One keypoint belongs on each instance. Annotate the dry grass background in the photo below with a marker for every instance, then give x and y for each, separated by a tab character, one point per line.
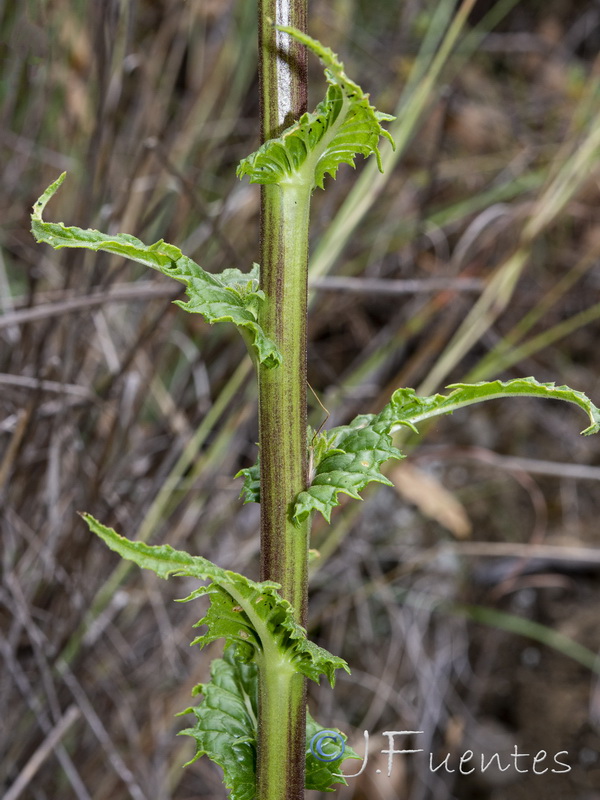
476	255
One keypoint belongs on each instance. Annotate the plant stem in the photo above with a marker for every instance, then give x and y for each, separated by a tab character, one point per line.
282	393
282	726
282	401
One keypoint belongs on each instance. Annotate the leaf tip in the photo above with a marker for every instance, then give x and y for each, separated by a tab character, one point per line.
41	203
593	428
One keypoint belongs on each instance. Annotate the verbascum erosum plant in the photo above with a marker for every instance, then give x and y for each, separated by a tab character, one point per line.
251	717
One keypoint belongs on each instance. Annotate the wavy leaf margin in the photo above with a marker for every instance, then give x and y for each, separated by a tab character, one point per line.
231	296
246	613
343	125
226	730
354	453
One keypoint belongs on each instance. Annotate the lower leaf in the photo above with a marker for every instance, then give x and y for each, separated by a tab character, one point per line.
247	613
226	730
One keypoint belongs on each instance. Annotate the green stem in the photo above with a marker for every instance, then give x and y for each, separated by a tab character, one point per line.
282	726
282	403
282	392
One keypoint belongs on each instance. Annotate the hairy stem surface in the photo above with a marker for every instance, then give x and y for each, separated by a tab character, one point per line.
282	401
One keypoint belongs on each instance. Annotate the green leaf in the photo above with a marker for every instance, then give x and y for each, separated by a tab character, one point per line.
225	729
341	126
350	460
320	775
251	489
353	454
406	408
231	296
246	613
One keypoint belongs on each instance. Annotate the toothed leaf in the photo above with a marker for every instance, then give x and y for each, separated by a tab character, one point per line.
251	488
355	453
351	460
321	775
231	296
406	408
249	614
341	126
225	729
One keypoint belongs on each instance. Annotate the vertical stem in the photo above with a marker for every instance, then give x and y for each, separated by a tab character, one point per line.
282	65
282	392
282	401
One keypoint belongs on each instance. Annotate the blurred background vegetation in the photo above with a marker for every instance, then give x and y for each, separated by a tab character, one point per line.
475	256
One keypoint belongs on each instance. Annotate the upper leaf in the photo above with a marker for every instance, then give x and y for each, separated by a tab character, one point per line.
354	453
226	729
246	613
231	296
406	408
341	126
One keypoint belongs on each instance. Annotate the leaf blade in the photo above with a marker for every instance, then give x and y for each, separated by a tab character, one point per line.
342	126
247	613
226	730
406	408
351	460
231	296
225	727
343	466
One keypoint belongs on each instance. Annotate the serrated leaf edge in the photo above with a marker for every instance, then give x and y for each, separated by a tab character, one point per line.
288	644
242	297
275	161
406	409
